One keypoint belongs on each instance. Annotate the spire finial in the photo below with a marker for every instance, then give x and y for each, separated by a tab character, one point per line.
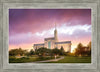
55	25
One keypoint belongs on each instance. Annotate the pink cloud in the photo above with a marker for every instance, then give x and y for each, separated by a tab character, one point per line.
29	26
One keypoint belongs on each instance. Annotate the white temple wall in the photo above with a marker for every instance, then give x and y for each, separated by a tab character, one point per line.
38	46
52	43
67	47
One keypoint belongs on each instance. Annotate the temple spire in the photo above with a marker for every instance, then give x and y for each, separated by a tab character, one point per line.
55	34
55	25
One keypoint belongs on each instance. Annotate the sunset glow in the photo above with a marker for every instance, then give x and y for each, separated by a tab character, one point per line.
29	26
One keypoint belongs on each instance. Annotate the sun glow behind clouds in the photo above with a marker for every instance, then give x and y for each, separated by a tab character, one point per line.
72	48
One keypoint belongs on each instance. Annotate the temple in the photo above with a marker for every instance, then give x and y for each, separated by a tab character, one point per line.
52	42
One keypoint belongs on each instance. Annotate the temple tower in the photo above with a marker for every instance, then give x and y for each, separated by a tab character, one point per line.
55	34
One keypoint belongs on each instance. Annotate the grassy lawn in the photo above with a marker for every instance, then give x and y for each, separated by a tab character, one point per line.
67	59
72	59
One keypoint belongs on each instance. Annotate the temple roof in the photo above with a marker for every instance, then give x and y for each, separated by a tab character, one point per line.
38	44
50	38
64	42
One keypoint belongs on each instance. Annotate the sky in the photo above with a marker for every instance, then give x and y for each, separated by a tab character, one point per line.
31	26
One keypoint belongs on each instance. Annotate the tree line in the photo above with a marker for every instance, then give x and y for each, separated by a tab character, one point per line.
83	50
43	51
40	52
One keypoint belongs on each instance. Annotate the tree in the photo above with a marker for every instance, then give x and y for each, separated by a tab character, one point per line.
83	50
56	51
41	51
89	49
89	46
20	51
79	50
79	46
49	51
14	52
26	53
62	51
31	52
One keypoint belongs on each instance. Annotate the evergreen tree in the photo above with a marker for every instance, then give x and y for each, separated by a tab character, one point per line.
62	50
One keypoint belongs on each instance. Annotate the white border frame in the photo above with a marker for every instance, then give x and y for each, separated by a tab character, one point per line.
7	6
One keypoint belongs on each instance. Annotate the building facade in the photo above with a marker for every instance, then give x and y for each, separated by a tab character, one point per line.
53	42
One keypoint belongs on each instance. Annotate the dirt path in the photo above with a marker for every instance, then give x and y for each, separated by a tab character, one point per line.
50	60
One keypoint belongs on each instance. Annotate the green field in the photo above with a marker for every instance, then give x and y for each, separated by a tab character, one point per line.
73	59
67	59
